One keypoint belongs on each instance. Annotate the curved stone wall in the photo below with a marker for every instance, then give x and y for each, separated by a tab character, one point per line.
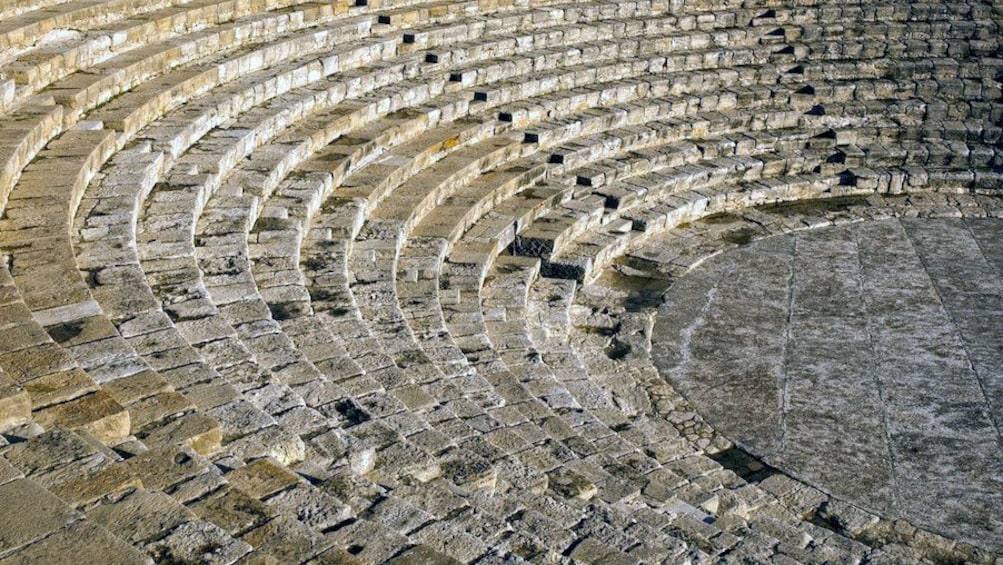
376	281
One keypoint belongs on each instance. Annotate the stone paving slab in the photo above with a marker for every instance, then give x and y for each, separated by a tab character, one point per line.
858	359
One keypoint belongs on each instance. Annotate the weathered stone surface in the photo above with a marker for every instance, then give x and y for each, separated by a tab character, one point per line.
141	515
97	413
262	478
232	510
377	281
200	542
15	404
37	513
841	356
82	542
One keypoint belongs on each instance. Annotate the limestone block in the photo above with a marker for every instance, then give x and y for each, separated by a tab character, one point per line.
232	510
39	513
15	403
315	509
85	490
140	515
82	542
197	430
263	478
201	542
97	413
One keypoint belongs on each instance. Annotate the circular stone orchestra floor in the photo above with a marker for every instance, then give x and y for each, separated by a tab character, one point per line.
866	360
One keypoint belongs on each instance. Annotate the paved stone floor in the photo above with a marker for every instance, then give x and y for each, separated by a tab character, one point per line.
863	359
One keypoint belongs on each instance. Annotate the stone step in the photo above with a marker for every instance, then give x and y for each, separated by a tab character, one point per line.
43	65
341	42
84	474
548	234
22	29
80	92
17	7
47	529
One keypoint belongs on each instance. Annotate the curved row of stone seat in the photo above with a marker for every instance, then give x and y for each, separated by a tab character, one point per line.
774	11
64	395
16	7
41	256
627	334
76	413
391	196
244	326
80	92
96	411
466	253
576	260
471	387
466	312
34	69
714	508
87	89
474	200
34	22
951	152
170	503
885	188
871	186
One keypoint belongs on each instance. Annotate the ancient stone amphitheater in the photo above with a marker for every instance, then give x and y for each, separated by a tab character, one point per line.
493	281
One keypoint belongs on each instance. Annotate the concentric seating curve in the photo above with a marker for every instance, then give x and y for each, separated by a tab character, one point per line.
408	281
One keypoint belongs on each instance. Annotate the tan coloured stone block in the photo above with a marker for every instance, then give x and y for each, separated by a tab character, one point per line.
97	413
38	513
140	515
195	429
15	404
286	539
262	478
59	387
233	510
128	390
158	407
82	542
24	365
86	490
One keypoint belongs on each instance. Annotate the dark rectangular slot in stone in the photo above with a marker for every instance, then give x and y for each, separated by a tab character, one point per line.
744	464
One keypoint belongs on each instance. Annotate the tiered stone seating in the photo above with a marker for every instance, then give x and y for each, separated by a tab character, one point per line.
373	281
106	37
